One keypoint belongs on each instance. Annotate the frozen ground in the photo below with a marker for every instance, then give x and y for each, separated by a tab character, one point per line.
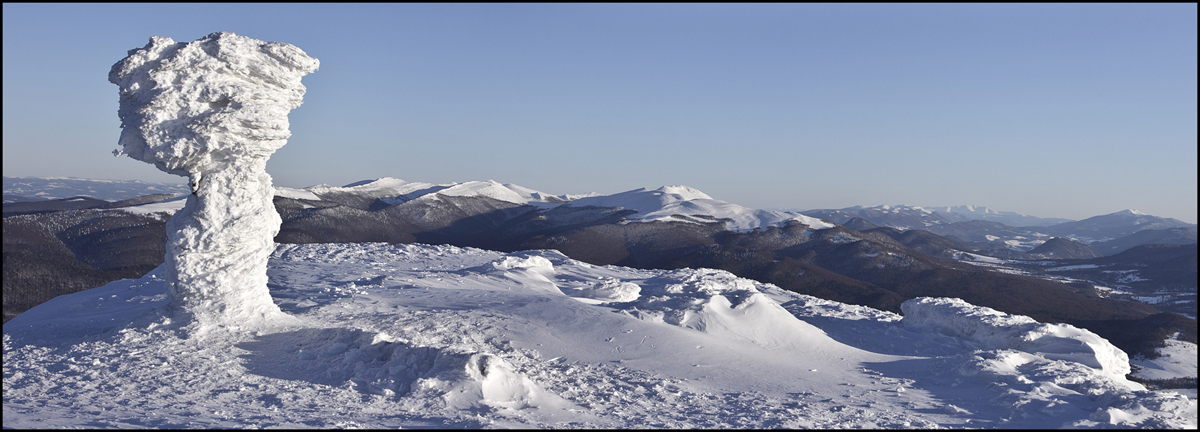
440	336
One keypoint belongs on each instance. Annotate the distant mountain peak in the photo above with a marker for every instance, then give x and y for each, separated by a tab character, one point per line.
682	192
377	183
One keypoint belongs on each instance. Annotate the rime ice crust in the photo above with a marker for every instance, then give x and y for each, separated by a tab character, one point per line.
214	110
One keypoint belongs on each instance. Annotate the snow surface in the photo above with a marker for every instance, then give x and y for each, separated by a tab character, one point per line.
214	110
1177	359
169	206
294	193
992	329
414	335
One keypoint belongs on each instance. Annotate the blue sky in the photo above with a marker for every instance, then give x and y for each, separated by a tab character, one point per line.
1052	110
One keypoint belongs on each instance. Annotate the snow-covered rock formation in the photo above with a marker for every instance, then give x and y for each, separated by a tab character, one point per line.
214	110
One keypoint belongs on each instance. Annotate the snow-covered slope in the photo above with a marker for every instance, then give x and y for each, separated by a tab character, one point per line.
439	336
396	191
669	202
1178	359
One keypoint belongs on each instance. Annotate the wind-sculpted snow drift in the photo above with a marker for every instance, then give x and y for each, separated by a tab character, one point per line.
413	335
994	330
214	110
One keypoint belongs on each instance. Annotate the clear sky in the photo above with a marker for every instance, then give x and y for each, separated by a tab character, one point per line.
1051	110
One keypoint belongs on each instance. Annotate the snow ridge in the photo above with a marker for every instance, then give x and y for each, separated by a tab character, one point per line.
668	203
993	329
665	203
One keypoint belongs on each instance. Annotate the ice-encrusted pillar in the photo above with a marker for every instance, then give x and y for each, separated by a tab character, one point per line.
214	110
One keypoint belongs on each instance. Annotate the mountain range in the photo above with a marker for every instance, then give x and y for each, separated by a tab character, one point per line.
1110	233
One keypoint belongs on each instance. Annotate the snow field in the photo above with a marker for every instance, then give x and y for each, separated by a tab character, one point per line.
440	336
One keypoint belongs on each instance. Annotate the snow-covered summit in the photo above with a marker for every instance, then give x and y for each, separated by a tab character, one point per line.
666	202
398	191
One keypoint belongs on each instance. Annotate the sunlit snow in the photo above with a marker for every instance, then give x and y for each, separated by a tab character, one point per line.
441	336
668	201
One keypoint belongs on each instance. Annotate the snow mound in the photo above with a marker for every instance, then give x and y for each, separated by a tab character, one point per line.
523	262
472	380
718	303
605	290
682	203
526	268
380	364
713	302
995	330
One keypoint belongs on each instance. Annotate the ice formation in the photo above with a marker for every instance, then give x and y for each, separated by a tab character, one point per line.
214	110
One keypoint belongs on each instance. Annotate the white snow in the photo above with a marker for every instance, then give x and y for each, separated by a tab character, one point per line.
414	335
294	193
1127	276
168	206
1073	267
1177	359
494	190
214	110
1104	291
663	204
668	203
994	330
398	191
976	258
